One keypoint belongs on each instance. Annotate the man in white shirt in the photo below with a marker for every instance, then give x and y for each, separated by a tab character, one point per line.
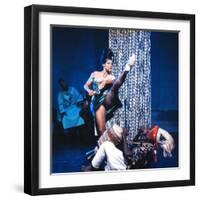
113	151
68	106
114	157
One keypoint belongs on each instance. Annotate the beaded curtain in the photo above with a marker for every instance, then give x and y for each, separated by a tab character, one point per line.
135	93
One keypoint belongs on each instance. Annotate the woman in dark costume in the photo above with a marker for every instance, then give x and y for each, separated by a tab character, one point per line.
103	89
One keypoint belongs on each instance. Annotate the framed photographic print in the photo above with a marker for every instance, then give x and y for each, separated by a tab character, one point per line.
109	99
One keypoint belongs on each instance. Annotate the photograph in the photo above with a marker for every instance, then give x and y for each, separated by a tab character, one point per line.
114	99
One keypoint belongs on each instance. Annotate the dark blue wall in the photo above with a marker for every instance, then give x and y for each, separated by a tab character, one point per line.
75	54
164	70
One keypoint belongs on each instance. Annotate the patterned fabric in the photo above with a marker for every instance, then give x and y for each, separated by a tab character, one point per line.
99	99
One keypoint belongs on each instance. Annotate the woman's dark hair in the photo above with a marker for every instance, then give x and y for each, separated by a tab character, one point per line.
107	54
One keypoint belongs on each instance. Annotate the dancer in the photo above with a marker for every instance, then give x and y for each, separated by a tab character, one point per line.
103	89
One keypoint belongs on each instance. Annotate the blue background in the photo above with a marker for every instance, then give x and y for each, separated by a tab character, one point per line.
76	51
75	54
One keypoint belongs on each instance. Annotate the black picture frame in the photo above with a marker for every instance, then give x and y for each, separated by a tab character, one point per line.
31	98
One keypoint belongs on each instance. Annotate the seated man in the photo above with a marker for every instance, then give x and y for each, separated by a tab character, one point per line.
68	106
159	136
163	138
113	150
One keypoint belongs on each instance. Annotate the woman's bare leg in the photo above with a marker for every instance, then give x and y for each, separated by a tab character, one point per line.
101	119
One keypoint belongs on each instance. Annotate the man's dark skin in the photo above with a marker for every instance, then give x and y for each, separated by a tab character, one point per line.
63	85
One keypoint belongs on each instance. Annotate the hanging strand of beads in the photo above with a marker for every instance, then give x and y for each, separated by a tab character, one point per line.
135	93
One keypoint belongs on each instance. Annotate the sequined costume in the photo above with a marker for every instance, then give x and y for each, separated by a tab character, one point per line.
108	96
